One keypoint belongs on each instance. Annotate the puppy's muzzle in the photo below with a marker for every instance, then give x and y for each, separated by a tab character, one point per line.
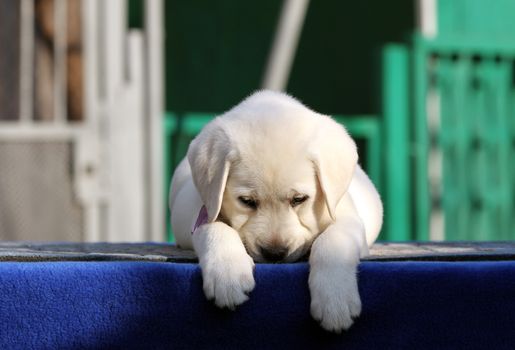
273	253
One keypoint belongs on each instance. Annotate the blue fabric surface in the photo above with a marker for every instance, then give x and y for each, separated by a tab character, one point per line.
141	305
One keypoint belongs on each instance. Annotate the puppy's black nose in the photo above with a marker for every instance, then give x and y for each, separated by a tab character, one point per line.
273	254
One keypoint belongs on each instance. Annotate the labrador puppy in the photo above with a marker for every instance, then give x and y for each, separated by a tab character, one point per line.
272	181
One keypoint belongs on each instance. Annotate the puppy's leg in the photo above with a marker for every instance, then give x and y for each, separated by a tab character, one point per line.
227	269
333	282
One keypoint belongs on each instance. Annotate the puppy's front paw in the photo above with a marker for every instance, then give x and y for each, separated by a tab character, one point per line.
227	269
335	297
228	278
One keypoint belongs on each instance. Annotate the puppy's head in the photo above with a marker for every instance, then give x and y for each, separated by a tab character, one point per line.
274	171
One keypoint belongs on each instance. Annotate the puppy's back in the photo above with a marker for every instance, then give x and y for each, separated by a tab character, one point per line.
181	174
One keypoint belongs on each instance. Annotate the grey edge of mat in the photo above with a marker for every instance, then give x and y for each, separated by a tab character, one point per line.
162	252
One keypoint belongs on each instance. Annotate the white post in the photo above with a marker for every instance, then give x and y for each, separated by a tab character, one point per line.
127	150
124	120
154	122
88	167
427	18
285	44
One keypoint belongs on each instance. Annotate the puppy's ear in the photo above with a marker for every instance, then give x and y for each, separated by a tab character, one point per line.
209	155
334	155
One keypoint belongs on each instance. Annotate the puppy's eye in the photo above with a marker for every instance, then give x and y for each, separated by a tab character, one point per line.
248	202
297	200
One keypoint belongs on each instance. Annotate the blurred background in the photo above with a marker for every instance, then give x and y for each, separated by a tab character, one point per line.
99	100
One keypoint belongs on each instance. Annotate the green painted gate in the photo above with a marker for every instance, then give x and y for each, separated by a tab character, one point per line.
460	98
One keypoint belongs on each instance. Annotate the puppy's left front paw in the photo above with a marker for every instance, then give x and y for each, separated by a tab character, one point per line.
228	277
335	300
227	269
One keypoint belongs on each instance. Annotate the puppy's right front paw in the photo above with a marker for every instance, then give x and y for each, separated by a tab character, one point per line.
228	278
335	300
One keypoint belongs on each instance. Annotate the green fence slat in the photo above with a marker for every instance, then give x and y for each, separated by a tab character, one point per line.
502	78
490	183
446	91
395	97
507	189
463	76
511	151
475	200
421	140
455	125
